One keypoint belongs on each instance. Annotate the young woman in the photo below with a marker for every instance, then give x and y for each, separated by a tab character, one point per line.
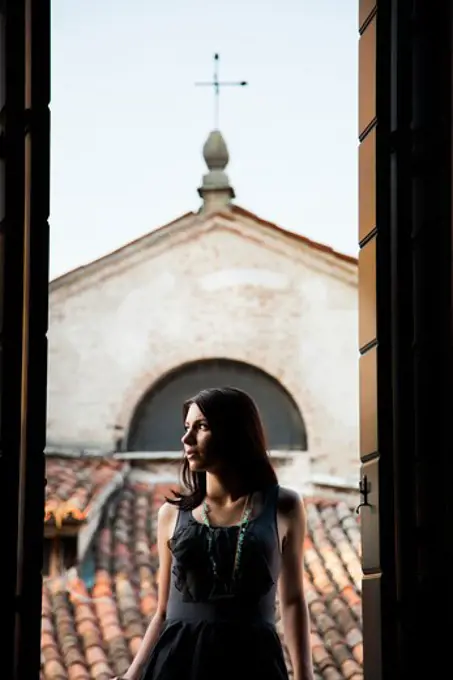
224	546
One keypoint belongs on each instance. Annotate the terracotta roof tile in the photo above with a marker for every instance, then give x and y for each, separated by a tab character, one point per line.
333	589
93	633
74	484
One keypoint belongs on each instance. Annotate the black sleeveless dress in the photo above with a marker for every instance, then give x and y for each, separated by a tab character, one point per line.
214	632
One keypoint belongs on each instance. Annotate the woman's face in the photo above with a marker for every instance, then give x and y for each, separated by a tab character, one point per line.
197	440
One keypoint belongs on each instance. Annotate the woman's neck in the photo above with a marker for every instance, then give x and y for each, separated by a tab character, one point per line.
223	489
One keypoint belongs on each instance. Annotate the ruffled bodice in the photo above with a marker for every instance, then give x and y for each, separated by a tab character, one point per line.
193	580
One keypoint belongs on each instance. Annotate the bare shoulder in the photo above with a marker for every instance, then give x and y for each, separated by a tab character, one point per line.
290	504
167	517
167	513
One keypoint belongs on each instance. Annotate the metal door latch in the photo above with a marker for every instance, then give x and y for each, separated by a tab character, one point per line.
364	489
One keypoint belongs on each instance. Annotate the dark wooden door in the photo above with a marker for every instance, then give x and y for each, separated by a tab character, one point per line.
406	351
24	252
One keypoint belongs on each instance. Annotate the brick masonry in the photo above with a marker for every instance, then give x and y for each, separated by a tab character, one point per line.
227	286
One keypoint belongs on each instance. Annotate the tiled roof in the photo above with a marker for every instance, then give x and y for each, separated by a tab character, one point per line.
93	633
74	485
333	588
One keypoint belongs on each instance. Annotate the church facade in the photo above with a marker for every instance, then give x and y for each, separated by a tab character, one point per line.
219	296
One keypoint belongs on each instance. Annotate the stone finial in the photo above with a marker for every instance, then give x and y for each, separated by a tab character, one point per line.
215	190
215	152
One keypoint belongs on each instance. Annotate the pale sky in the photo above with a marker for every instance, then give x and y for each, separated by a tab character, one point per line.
128	124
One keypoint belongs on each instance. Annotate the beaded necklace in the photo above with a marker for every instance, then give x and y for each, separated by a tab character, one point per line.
242	529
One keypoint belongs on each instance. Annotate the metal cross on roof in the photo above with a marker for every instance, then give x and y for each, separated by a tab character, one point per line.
216	84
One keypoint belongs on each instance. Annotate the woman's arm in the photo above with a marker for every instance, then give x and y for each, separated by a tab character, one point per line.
294	610
166	520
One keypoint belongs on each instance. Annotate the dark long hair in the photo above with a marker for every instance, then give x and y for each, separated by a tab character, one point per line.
238	439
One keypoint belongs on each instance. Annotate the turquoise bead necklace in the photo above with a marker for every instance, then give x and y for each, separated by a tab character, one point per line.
240	540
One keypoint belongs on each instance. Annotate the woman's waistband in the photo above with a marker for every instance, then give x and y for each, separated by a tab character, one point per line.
220	611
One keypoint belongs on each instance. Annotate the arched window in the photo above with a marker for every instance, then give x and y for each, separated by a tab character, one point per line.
157	421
